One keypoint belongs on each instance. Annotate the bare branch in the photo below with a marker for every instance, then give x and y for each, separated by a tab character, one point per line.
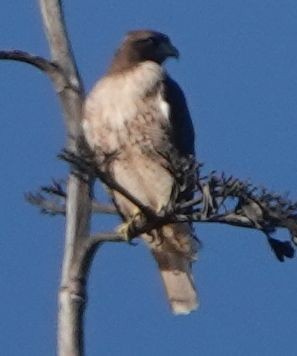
53	70
59	44
56	206
79	186
83	260
64	74
102	237
248	206
46	206
100	208
36	61
51	199
87	164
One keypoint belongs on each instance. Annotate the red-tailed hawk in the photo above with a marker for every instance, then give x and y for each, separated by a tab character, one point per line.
137	115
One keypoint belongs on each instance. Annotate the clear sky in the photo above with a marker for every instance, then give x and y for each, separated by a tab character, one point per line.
238	69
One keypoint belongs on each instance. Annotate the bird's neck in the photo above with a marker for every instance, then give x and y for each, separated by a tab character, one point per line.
141	78
127	60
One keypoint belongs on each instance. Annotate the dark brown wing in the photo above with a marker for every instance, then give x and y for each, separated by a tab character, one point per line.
182	126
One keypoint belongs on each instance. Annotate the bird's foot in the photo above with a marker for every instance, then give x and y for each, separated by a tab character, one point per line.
127	229
124	231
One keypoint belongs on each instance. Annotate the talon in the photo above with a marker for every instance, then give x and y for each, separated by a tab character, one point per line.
135	214
125	228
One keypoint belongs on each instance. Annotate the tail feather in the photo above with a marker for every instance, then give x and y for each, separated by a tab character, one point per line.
174	249
180	291
178	282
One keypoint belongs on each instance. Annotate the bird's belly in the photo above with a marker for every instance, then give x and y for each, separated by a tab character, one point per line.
145	178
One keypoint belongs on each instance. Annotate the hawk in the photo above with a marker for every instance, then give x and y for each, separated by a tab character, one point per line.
138	117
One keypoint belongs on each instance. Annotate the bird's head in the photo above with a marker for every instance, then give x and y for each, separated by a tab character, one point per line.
144	45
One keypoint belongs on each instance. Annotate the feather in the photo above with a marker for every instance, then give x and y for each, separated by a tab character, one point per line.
140	113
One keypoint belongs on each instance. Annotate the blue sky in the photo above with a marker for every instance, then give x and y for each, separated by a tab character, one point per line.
238	69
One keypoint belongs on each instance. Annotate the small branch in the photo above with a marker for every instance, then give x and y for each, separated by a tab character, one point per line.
250	206
52	207
86	164
102	237
46	206
51	200
36	61
56	188
103	208
142	225
54	72
82	263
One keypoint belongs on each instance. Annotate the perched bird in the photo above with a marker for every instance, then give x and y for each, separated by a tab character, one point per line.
138	117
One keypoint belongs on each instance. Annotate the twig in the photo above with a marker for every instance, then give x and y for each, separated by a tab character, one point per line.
53	70
51	199
54	207
249	207
46	206
36	61
83	261
100	208
88	165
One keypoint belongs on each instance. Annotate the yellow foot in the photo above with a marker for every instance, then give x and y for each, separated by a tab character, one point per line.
124	229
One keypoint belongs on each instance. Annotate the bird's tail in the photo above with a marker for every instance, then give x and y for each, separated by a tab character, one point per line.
178	281
174	249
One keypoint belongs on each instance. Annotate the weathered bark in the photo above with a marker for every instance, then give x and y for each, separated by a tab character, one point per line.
78	205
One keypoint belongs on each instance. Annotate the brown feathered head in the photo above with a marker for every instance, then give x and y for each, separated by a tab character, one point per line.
143	45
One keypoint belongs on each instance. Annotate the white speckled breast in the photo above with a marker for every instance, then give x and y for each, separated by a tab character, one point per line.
127	108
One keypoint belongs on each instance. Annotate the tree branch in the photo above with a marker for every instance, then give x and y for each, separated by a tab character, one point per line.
86	163
100	208
53	70
79	185
224	186
58	207
36	61
248	206
52	199
63	72
59	44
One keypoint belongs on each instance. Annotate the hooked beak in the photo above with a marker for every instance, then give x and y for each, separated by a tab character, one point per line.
169	50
